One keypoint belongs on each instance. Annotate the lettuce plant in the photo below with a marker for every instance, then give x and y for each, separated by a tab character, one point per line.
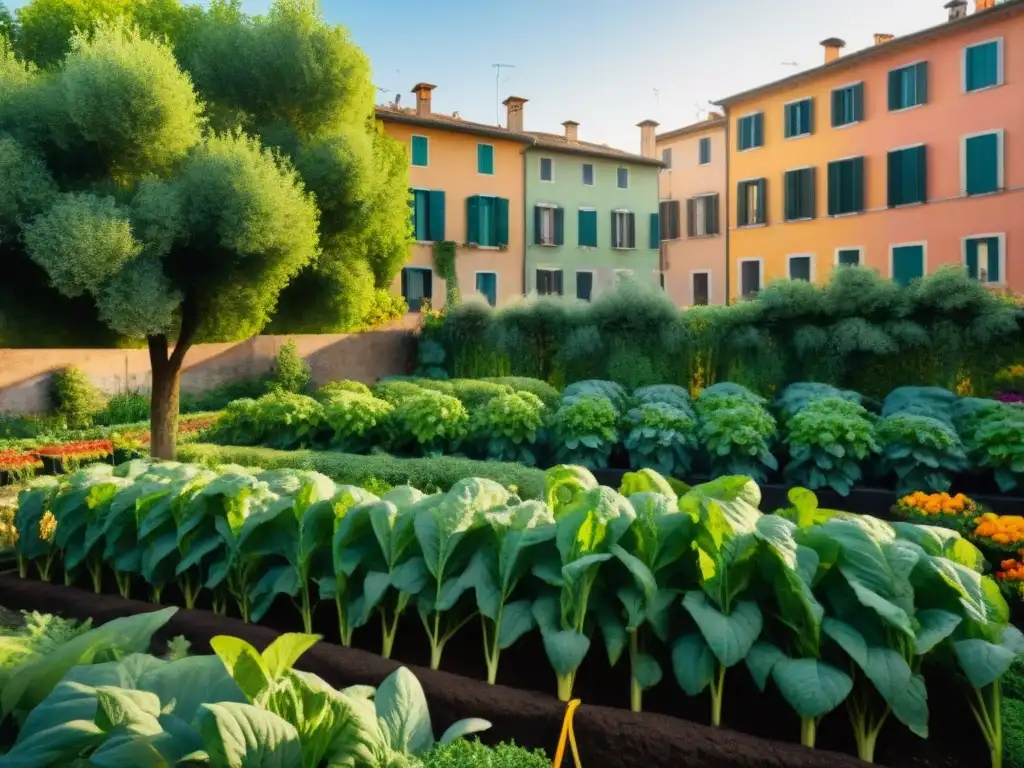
670	394
922	451
608	389
435	421
279	419
736	432
356	421
328	391
798	396
585	431
829	439
509	427
661	436
996	443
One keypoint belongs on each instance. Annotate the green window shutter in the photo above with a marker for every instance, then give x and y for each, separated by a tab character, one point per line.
420	220
789	120
559	226
971	258
895	90
436	208
894	184
921	81
485	159
655	237
759	129
500	221
993	260
838	101
743	127
789	195
982	66
615	244
741	204
982	164
807	110
538	213
631	230
920	161
907	263
857	168
588	228
420	150
487	285
473	219
858	103
762	201
834	188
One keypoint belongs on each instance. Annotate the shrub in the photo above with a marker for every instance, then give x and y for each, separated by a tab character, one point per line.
797	396
995	441
290	372
924	452
548	394
396	390
356	421
75	399
736	432
613	392
508	427
473	754
125	408
331	388
956	512
585	430
475	393
828	441
218	398
662	436
663	393
435	421
278	420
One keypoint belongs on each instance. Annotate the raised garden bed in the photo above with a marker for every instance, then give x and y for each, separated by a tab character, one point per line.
608	737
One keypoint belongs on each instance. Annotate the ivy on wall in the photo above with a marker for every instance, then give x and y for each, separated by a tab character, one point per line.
444	261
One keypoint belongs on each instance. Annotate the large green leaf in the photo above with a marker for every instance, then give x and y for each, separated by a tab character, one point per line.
562	484
402	710
983	662
57	746
238	735
693	663
811	686
731	636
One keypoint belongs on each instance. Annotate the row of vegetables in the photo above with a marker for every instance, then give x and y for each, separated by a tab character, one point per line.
832	609
94	696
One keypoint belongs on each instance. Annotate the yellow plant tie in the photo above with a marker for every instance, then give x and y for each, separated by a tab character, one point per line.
567	732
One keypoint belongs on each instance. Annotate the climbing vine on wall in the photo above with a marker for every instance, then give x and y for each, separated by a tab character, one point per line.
444	260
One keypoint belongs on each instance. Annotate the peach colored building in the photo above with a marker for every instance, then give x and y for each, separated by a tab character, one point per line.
692	190
467	187
905	156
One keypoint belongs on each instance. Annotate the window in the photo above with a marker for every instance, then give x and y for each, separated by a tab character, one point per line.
669	219
800	268
983	65
750	131
701	289
908	87
584	285
420	150
908	176
485	159
622	178
666	158
847	105
983	256
549	282
846	186
428	215
548	225
983	163
750	202
417	286
487	221
907	263
588	175
487	284
704	151
799	118
623	229
547	169
588	227
750	277
848	257
702	216
799	194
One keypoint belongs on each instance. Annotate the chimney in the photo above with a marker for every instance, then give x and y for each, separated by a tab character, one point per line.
832	47
715	116
647	142
885	37
514	109
422	91
572	131
983	5
957	9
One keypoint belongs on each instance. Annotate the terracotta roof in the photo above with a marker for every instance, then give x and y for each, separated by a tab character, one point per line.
703	125
560	143
449	123
882	49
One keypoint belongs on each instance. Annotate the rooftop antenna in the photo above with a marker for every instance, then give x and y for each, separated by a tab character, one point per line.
657	99
700	111
497	89
790	63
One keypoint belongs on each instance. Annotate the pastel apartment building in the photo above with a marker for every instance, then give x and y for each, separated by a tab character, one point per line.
692	188
904	157
466	183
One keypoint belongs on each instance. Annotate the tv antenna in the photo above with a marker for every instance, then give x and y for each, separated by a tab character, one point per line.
701	112
497	89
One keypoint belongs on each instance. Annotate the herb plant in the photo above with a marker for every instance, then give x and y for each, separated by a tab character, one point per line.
829	440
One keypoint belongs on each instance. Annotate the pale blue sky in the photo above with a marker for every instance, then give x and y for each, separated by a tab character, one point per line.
599	61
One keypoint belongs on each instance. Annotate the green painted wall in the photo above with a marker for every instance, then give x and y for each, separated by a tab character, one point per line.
569	192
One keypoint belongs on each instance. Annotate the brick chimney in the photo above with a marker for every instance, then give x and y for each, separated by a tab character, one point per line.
572	131
422	91
514	110
983	5
715	116
647	142
957	9
832	47
885	37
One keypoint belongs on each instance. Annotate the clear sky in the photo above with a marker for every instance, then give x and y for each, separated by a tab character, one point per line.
599	62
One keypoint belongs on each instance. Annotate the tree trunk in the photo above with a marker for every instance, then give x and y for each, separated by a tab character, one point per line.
166	377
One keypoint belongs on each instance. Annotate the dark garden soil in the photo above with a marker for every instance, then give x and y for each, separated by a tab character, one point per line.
667	735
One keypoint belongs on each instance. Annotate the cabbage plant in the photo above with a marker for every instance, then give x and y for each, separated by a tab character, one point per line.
585	430
924	452
736	432
829	440
508	427
661	436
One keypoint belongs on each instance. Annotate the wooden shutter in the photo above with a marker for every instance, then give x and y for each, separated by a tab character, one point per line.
762	201
691	205
675	228
473	219
858	183
435	209
711	214
894	183
655	232
858	102
501	220
921	76
788	115
742	209
558	282
808	107
835	187
809	192
894	90
759	129
838	115
538	217
993	260
971	257
921	160
584	285
559	226
631	230
615	242
428	284
790	195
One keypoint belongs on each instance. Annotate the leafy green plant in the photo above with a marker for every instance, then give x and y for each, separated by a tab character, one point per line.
796	397
829	440
670	394
473	754
996	443
278	420
289	371
357	422
736	432
395	390
509	427
435	421
124	408
75	399
615	393
922	451
547	393
662	436
332	388
585	430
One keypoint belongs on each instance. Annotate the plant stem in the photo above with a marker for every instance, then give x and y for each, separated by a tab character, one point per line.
491	649
388	634
717	691
69	577
22	567
96	573
44	568
636	693
565	683
344	628
124	583
157	593
190	591
808	726
307	610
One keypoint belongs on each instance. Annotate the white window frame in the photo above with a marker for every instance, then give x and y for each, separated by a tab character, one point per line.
784	110
622	168
497	282
924	256
747	181
536	288
694	272
624	212
429	280
894	69
1001	237
789	265
494	168
576	278
843	88
668	166
1000	65
540	170
858	248
760	273
739	121
704	220
419	136
1000	160
593	175
548	207
700	140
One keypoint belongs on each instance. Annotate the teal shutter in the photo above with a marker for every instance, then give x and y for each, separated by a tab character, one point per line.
559	226
473	219
420	150
921	82
858	103
971	257
655	231
808	194
807	116
500	221
920	162
631	230
615	244
857	168
907	263
759	129
835	188
485	159
789	194
788	117
982	164
895	90
742	213
894	182
436	208
538	213
982	66
420	215
487	285
993	260
838	102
